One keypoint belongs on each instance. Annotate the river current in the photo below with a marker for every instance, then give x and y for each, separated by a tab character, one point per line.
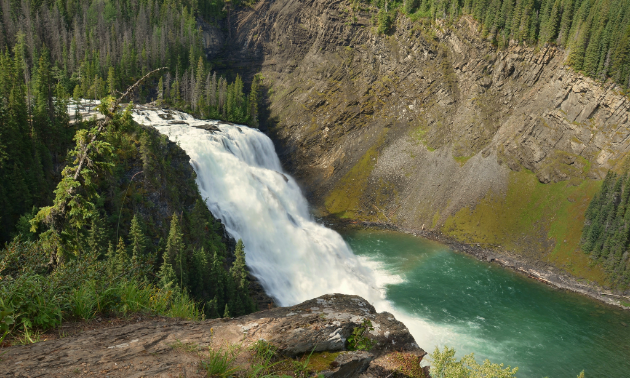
443	297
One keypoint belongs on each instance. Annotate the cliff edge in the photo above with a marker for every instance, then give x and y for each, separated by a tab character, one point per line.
318	328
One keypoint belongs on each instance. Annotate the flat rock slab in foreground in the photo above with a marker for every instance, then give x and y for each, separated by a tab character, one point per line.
172	348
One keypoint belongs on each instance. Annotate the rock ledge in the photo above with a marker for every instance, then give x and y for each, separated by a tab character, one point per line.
164	347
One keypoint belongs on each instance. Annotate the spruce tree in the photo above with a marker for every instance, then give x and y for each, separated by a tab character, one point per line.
217	280
121	257
384	22
138	240
211	309
175	250
253	102
166	275
160	91
111	82
97	237
239	270
112	266
199	270
226	313
410	6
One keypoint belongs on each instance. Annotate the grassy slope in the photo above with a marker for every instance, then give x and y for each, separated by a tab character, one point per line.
546	219
344	200
543	221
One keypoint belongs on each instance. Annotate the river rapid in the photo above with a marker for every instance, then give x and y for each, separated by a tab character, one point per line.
443	297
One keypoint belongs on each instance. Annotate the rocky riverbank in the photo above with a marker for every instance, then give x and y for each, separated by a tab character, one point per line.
533	269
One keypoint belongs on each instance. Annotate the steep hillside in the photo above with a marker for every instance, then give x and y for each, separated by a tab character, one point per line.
431	126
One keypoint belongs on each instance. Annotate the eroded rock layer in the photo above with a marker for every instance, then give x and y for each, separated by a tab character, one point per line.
431	126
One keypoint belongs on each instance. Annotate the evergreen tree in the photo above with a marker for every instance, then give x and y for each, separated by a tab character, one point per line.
97	237
253	102
199	270
239	270
606	232
410	6
384	22
112	266
121	257
166	275
217	280
160	91
198	100
175	250
226	312
138	240
111	82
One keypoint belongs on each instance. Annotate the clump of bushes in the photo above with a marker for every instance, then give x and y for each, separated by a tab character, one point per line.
34	298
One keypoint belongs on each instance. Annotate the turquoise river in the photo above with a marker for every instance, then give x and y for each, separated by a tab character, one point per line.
455	300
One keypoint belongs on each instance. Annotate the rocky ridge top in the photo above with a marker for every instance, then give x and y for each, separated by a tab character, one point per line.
172	348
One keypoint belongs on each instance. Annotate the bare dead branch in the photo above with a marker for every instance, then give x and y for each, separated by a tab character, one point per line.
108	118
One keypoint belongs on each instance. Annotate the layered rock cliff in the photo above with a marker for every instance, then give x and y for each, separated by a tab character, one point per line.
431	127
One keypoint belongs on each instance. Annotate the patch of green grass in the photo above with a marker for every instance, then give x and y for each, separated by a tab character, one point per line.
301	367
419	134
322	361
462	160
221	361
343	200
532	216
436	219
265	362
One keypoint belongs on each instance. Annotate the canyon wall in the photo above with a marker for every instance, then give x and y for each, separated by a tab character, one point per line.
430	126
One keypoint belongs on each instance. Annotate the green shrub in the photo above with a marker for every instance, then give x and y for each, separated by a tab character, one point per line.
445	365
33	299
360	340
83	301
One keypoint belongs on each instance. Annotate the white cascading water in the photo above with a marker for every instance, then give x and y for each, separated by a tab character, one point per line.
240	176
295	259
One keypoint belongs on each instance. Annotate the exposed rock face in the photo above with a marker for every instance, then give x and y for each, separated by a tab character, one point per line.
412	127
163	347
349	365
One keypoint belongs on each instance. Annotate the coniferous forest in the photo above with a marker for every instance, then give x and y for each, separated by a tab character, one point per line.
606	233
104	217
596	32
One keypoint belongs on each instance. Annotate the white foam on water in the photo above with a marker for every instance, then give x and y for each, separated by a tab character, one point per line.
382	276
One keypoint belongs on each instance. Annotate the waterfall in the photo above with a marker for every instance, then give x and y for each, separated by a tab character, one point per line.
240	177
